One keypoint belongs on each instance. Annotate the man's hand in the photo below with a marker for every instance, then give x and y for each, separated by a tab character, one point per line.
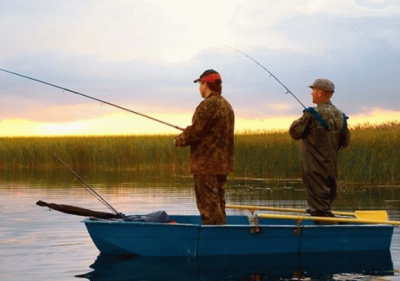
178	141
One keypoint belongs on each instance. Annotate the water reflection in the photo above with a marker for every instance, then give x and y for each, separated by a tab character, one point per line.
39	245
343	266
282	193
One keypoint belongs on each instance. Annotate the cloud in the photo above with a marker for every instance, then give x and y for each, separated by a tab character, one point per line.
118	31
308	26
144	55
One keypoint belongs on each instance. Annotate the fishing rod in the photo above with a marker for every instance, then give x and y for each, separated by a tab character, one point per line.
93	98
269	72
92	191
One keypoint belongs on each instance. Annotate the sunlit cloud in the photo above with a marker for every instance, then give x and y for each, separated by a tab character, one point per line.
150	30
112	124
144	55
128	124
280	106
374	116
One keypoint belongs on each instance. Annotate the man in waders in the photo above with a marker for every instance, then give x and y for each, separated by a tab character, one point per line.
323	131
211	141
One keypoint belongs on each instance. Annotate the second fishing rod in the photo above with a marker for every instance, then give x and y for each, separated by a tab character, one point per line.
92	191
269	72
141	114
90	97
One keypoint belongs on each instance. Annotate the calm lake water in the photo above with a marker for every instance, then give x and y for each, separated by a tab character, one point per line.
36	244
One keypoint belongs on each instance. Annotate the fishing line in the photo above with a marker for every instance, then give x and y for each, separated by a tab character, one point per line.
92	191
93	98
269	72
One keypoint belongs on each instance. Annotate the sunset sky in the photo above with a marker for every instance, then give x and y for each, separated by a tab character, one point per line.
144	55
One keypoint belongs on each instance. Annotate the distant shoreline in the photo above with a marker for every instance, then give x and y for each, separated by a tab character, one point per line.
372	157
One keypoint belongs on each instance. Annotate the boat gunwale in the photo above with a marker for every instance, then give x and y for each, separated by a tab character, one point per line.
122	222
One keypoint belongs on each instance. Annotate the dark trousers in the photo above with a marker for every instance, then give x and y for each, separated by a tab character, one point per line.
210	198
321	192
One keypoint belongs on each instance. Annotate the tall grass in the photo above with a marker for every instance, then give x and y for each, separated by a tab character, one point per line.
267	155
372	157
133	152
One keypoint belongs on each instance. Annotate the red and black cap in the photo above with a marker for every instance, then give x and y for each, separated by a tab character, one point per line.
210	76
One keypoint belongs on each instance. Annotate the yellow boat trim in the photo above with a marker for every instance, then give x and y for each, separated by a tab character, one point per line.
327	219
380	215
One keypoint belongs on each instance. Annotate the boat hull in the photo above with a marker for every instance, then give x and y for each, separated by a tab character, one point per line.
188	237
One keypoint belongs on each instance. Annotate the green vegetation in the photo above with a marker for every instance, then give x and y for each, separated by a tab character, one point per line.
132	152
373	156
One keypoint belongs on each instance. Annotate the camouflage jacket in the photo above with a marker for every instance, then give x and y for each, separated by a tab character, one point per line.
210	137
333	118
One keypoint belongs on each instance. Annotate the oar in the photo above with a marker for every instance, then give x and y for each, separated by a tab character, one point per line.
368	215
329	219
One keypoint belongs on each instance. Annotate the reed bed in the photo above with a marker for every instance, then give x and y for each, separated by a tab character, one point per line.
116	152
373	156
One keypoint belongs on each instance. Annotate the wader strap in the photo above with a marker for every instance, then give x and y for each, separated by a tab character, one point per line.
344	126
317	117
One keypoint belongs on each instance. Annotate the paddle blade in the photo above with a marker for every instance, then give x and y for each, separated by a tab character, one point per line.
372	215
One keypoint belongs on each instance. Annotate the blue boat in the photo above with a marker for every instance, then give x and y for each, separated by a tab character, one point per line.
242	235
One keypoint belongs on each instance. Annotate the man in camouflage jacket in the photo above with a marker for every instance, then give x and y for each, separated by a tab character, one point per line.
211	141
323	131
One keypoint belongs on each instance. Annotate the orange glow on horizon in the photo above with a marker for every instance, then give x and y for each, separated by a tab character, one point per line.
128	124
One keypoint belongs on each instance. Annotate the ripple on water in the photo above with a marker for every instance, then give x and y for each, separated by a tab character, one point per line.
36	244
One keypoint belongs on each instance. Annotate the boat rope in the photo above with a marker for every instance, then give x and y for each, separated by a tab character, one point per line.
93	98
269	72
92	191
